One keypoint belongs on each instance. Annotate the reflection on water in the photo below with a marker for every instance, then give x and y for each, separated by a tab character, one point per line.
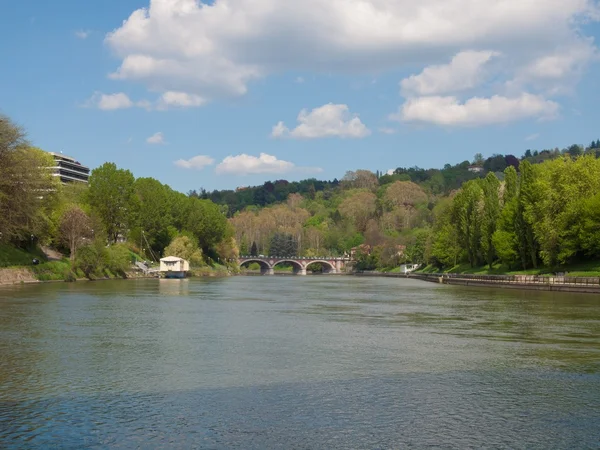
296	362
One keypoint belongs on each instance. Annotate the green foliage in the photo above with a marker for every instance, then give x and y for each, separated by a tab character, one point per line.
112	196
88	259
206	221
54	271
283	244
185	247
97	261
14	256
117	259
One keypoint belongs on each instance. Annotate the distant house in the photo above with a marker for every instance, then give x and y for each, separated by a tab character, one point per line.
366	249
408	268
363	248
475	169
174	267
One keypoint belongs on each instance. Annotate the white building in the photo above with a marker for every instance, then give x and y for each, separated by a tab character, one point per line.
68	169
174	267
408	268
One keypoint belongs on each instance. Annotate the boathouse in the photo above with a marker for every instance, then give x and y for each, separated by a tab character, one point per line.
174	267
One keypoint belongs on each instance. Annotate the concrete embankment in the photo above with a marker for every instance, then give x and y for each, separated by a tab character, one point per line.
16	276
585	285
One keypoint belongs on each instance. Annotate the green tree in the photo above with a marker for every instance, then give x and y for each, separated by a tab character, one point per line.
283	244
112	196
467	215
185	247
154	214
206	222
491	212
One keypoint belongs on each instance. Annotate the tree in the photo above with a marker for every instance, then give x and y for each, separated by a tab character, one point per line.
186	248
467	215
361	179
283	244
478	160
253	249
359	207
154	213
406	196
575	150
75	228
510	185
206	222
491	212
112	196
27	187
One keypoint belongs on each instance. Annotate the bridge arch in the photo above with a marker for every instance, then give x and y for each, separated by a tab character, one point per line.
298	267
264	266
328	267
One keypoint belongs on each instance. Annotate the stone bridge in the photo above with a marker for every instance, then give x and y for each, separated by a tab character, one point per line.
267	263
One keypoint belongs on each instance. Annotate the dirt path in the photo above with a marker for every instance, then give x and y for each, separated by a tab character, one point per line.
51	254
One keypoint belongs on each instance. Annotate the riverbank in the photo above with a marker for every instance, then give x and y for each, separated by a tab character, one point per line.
39	274
584	285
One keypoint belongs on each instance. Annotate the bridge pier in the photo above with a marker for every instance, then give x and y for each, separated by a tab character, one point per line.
302	271
271	271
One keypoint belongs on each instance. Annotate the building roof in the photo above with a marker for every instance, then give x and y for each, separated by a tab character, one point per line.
172	259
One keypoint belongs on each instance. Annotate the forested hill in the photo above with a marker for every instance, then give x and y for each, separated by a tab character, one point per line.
437	182
539	212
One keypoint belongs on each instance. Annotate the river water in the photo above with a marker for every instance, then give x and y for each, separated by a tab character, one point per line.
297	362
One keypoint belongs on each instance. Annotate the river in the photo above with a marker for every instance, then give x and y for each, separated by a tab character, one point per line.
297	362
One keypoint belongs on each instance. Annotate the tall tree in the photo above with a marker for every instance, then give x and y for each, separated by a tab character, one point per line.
75	228
112	196
468	205
491	212
27	187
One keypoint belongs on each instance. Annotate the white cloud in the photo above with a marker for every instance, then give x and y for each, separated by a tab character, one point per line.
197	162
109	102
173	99
532	137
326	121
387	130
279	130
449	111
83	34
246	164
167	100
300	80
156	139
558	70
217	48
465	71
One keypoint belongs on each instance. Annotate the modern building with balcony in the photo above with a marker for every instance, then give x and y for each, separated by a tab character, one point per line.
69	170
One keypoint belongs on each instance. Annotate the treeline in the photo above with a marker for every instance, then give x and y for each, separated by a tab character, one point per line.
526	216
101	224
546	214
436	181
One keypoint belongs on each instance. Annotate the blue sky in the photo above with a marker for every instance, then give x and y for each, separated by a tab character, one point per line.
194	94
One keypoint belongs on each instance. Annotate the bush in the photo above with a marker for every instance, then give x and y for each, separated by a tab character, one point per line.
88	260
186	248
54	271
117	259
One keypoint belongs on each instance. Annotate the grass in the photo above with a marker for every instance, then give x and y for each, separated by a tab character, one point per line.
56	271
12	256
584	269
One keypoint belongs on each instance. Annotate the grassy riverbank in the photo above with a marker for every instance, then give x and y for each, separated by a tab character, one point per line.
586	269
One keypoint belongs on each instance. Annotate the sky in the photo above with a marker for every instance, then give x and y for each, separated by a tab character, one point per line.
228	93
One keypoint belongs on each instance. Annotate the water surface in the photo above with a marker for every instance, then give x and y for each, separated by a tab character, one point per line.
297	362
